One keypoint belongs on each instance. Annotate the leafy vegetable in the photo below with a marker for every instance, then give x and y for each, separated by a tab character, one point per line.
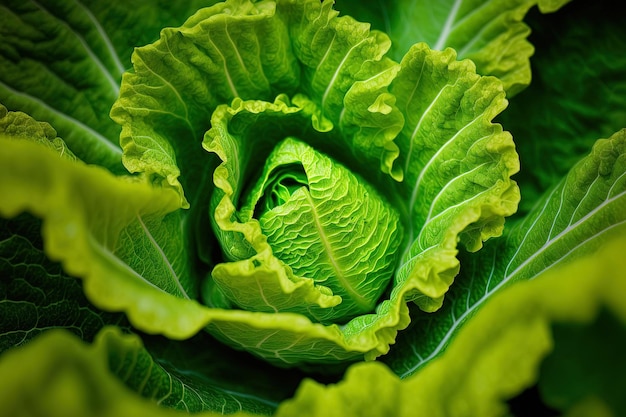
497	353
294	192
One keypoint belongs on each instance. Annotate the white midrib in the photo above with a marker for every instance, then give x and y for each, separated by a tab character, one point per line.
113	83
105	38
166	261
447	27
508	276
337	269
426	168
80	125
231	85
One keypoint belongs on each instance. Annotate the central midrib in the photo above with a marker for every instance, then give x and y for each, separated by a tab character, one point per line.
339	274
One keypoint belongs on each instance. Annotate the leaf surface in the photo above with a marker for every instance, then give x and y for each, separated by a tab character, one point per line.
492	33
494	357
62	64
574	218
457	166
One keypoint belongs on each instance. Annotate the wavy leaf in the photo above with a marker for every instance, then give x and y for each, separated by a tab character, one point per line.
495	356
346	75
575	218
165	104
309	252
457	166
492	33
106	241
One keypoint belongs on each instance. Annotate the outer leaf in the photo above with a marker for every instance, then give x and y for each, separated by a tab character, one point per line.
489	32
35	294
457	166
58	375
77	379
87	233
493	358
562	113
165	105
576	217
62	63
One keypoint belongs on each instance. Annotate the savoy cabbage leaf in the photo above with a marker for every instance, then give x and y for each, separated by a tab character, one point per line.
296	184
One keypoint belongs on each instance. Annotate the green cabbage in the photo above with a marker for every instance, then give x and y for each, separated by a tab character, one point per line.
269	193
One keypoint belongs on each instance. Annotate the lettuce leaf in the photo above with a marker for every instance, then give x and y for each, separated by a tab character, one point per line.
496	355
492	33
420	131
344	65
62	64
575	218
504	349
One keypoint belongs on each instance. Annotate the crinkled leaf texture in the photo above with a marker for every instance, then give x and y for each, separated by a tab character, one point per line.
492	33
299	70
576	217
494	357
62	64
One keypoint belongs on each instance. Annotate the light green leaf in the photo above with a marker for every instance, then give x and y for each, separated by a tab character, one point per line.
493	358
346	75
457	167
234	49
572	220
59	375
274	287
332	229
106	241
